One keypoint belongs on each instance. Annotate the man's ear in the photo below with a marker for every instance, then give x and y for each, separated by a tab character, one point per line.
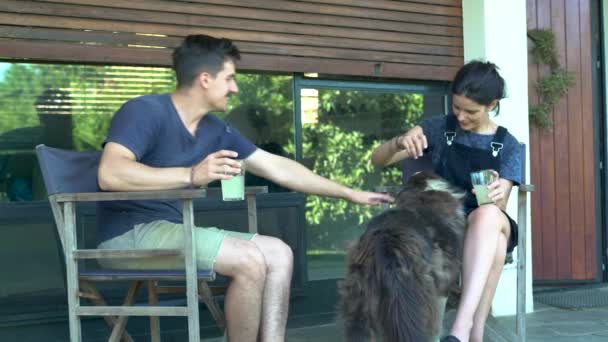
203	79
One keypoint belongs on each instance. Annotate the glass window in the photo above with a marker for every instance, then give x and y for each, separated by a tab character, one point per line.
340	130
71	106
65	106
263	112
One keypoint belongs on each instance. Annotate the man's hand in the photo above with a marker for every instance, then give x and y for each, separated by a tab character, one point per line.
369	198
217	165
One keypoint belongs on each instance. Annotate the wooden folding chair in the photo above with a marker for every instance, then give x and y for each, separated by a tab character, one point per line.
411	166
70	177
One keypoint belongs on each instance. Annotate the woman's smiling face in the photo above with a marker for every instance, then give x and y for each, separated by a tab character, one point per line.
471	116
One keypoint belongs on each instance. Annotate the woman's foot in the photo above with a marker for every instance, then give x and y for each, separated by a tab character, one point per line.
450	338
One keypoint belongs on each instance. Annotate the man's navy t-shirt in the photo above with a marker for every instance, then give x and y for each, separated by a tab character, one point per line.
150	127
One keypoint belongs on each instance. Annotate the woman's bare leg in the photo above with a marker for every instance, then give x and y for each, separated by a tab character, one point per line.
486	224
479	320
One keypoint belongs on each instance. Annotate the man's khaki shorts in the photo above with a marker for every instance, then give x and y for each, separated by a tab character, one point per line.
165	234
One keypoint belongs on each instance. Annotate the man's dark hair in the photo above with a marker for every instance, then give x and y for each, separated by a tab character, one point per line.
480	82
199	53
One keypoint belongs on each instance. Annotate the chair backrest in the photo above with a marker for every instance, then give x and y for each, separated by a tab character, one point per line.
66	171
523	153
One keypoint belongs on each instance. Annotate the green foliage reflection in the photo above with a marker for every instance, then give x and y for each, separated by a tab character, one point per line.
91	95
337	144
351	124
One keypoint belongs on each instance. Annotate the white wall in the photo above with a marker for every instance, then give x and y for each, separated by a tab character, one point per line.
495	30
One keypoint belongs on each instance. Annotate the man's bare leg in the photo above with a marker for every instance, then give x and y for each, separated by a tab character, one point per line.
279	263
243	261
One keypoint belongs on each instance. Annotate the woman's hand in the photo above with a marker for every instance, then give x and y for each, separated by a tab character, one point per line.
500	189
414	142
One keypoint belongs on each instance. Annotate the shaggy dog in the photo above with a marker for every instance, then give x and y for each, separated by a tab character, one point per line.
406	259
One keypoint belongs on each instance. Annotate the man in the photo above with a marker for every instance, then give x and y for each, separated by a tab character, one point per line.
171	141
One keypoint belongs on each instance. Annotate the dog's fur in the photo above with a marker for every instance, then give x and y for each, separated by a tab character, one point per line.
406	259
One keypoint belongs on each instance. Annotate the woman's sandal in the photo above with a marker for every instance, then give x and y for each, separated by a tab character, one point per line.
450	338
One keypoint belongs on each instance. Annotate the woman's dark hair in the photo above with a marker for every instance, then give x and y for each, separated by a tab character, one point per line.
480	82
199	53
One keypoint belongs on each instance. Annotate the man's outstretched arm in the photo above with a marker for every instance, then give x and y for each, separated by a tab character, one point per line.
295	176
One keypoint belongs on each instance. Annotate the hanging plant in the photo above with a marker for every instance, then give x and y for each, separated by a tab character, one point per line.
555	85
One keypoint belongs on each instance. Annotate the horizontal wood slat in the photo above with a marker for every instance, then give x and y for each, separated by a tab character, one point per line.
268	15
124	253
406	6
304	38
526	187
245	47
64	12
377	12
127	56
142	276
130	195
131	311
454	3
125	39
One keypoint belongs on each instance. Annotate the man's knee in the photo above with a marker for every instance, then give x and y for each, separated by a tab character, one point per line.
278	254
283	255
251	264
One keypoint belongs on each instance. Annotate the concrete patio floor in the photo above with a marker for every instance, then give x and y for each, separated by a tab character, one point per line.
545	324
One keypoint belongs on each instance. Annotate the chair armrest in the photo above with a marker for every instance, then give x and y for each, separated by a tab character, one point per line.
125	253
130	195
249	190
526	187
388	189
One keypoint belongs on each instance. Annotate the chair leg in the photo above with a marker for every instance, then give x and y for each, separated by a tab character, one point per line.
74	320
121	323
207	298
441	305
154	320
522	203
96	298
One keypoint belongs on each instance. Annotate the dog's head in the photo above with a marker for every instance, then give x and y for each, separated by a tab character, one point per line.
426	186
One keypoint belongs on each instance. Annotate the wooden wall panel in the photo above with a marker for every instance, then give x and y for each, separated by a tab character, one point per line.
562	160
381	38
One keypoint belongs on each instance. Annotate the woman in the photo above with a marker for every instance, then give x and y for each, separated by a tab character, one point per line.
468	140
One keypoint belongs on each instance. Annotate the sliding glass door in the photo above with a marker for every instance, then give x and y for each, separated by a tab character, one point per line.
338	125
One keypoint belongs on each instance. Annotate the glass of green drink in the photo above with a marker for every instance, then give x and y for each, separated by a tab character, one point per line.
233	189
480	180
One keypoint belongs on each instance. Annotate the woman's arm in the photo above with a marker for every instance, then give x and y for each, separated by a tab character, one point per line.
409	145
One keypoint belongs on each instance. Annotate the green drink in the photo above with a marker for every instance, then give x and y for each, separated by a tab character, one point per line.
233	189
481	192
481	180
